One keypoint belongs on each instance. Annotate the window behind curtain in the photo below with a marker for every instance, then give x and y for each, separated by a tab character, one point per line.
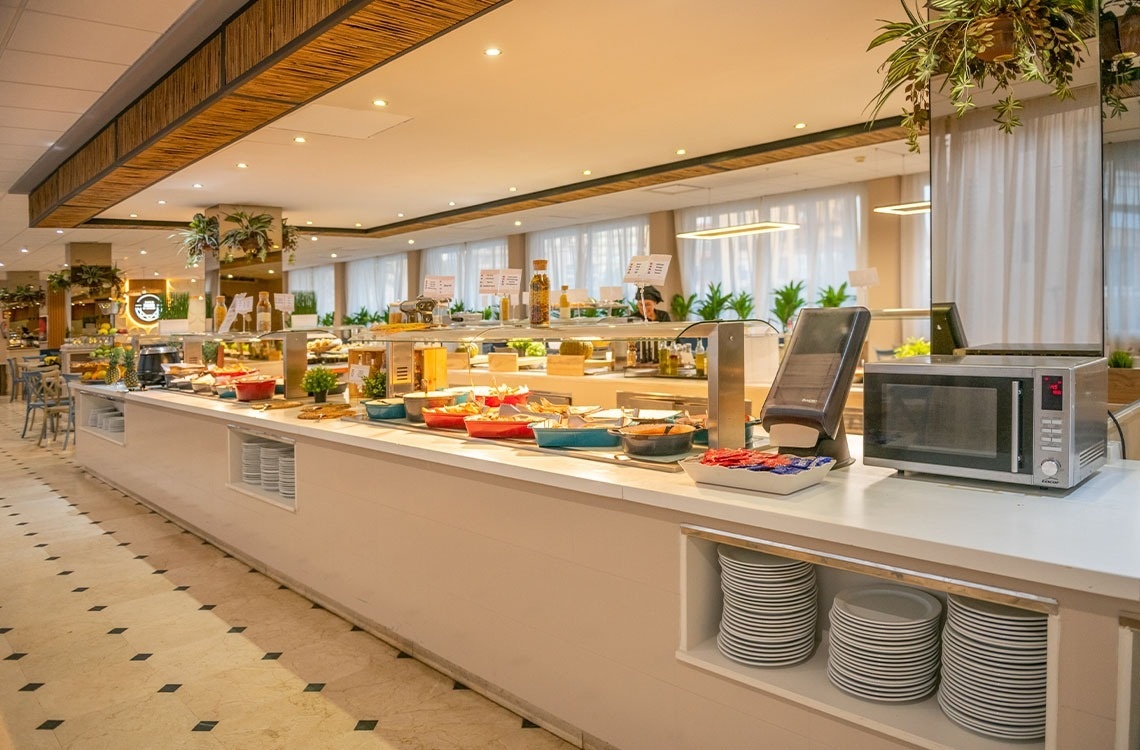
830	242
590	256
372	283
319	279
464	263
1121	239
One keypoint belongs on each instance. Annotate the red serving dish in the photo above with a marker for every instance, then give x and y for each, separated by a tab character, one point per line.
482	427
255	390
442	420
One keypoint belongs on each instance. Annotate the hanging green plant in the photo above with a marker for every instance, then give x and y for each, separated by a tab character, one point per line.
199	238
251	235
289	237
60	281
980	45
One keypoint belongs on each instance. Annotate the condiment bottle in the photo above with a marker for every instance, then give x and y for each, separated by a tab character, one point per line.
701	359
540	295
564	304
219	311
505	308
264	313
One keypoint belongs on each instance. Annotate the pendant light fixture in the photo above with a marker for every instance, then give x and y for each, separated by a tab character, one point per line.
738	230
905	209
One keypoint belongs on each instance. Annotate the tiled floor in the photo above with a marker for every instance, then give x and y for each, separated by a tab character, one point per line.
120	630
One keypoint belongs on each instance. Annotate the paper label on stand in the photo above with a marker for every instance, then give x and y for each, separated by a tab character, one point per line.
439	287
510	280
647	269
489	280
577	296
228	321
357	374
242	303
283	302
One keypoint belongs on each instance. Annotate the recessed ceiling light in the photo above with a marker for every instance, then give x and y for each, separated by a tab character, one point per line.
162	203
1	265
399	216
59	231
801	125
156	273
134	216
451	203
314	238
492	52
299	139
411	242
380	102
65	265
359	224
229	275
242	165
518	223
512	189
270	270
194	266
142	252
587	172
309	223
193	281
23	249
332	255
197	185
680	152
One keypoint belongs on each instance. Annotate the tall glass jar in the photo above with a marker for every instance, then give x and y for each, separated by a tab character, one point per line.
540	295
264	313
219	311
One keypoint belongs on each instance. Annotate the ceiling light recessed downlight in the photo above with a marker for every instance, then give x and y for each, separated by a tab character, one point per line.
399	215
142	252
193	281
680	152
332	255
271	270
518	223
229	275
451	203
134	216
905	209
242	165
587	172
801	125
162	203
411	242
23	249
359	224
314	238
66	265
156	273
299	139
738	230
59	231
512	189
379	103
309	223
492	52
197	186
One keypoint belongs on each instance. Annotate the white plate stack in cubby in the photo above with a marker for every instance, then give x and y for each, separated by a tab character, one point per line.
98	416
251	460
271	454
770	608
288	480
993	669
883	643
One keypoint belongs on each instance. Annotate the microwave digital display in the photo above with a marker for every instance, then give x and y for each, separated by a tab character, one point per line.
1052	392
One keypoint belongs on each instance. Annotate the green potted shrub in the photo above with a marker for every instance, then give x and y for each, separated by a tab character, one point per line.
788	301
304	310
742	303
318	381
980	45
712	306
912	347
250	235
175	314
1123	380
681	307
199	238
830	296
375	386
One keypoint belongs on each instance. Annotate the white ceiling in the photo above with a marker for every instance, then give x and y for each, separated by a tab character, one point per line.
581	84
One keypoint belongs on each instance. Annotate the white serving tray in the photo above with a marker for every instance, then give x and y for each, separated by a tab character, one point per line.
756	481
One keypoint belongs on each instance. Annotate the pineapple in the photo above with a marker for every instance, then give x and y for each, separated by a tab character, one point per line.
130	372
113	360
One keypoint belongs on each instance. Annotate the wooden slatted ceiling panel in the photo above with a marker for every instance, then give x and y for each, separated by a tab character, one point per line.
368	34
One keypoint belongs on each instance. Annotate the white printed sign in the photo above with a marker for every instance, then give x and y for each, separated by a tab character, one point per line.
283	302
510	280
577	296
439	287
357	374
489	280
647	269
242	303
228	321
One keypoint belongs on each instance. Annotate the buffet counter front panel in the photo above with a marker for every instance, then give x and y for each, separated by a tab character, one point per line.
582	594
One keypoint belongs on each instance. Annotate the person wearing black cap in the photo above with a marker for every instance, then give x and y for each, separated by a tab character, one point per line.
647	298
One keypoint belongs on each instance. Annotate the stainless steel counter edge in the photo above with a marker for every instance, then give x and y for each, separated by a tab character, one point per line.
1083	539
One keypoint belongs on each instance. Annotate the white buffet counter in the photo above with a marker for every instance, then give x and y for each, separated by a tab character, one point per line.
585	594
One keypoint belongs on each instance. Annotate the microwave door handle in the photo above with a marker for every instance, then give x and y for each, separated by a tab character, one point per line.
1014	435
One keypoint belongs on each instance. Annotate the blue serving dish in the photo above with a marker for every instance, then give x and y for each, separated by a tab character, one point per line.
575	437
385	408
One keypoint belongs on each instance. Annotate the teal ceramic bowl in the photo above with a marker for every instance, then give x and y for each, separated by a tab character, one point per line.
575	437
385	408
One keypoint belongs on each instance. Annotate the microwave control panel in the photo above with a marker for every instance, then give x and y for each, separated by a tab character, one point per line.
1050	435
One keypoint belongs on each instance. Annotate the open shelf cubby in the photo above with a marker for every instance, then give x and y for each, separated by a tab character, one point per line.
254	480
920	723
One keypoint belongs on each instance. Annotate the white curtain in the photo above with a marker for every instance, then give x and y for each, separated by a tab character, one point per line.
590	256
1122	245
830	241
319	279
464	263
372	283
1016	223
914	256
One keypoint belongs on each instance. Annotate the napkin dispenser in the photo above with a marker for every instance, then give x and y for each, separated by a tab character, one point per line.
803	413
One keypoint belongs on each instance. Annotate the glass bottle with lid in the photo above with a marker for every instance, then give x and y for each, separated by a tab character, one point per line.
540	295
219	311
264	313
564	304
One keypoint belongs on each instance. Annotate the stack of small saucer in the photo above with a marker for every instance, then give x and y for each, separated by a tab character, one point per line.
287	480
251	461
271	465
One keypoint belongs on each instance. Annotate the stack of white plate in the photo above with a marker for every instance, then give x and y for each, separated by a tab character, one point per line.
271	466
287	481
884	642
770	608
251	461
993	669
114	423
95	417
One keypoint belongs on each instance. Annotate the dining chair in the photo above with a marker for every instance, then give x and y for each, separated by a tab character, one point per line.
58	405
33	397
14	378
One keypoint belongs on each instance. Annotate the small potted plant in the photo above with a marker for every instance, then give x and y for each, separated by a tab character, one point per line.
912	347
304	310
175	314
681	307
830	296
713	305
375	385
318	381
250	235
199	238
742	303
980	45
788	301
1123	380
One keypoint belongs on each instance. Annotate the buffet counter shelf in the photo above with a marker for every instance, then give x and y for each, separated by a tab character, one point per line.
576	593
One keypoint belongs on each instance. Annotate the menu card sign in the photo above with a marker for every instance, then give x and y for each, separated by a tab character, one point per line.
647	269
242	303
357	374
510	280
228	321
489	280
439	287
283	302
577	296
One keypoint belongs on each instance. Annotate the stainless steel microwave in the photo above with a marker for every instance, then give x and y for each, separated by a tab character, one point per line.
1022	419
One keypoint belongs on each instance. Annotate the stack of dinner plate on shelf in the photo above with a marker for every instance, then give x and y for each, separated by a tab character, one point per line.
114	423
96	416
251	461
770	608
884	642
993	669
287	480
271	465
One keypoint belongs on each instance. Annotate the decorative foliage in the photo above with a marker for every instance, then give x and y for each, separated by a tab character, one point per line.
200	238
681	307
788	300
375	386
980	45
99	281
305	303
742	304
913	348
176	306
714	304
830	296
1120	358
251	235
319	380
22	295
289	237
60	281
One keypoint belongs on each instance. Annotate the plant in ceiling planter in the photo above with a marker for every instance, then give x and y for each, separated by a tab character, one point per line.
99	281
981	45
251	235
21	295
60	281
199	238
289	237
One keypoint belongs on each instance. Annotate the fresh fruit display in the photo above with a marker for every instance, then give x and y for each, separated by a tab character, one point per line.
528	348
584	348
